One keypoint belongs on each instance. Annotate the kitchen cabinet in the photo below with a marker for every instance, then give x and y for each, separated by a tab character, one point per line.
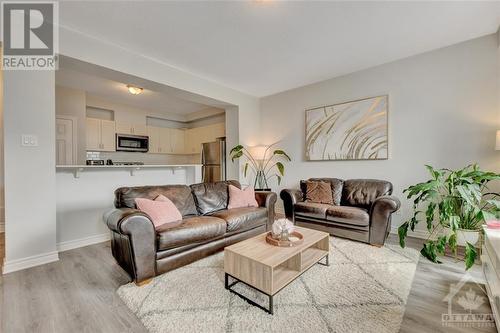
100	135
177	141
196	136
159	140
131	129
154	140
165	140
181	141
193	141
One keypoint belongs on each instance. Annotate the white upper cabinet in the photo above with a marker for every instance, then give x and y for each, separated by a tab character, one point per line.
93	134
181	141
177	141
194	137
154	140
131	129
100	135
108	135
165	138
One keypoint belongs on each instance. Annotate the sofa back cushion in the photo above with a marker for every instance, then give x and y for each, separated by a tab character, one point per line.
362	192
180	195
212	197
335	184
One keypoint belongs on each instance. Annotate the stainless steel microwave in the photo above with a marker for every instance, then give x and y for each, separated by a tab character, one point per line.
137	143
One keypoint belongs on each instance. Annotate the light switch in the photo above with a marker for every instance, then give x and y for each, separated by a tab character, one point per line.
29	140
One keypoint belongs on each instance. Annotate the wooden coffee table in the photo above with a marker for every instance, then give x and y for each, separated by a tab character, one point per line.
269	268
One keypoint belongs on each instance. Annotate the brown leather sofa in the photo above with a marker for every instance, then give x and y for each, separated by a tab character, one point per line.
364	213
207	226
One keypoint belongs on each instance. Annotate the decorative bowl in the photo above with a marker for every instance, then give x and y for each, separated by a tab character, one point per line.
296	238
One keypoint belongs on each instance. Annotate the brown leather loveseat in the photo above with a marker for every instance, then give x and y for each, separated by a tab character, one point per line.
362	211
207	226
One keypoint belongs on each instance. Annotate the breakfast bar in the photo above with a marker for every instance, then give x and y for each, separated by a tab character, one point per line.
85	193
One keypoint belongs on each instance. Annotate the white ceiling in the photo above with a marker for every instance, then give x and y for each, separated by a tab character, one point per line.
264	47
117	92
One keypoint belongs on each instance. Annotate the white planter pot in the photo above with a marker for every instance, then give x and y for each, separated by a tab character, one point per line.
465	236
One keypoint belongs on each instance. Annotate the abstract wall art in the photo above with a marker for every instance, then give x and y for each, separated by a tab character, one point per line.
355	130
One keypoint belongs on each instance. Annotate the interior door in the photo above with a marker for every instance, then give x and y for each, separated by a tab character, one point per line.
64	142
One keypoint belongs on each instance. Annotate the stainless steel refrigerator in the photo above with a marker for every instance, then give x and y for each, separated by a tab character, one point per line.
213	158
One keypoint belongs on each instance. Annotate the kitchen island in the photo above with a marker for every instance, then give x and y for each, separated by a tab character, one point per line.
86	192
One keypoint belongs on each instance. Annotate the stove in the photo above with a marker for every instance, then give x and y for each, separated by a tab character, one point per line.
128	163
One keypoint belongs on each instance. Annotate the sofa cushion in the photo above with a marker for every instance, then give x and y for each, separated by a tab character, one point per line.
161	210
244	218
311	209
212	197
241	198
363	192
348	215
196	229
335	184
319	191
180	195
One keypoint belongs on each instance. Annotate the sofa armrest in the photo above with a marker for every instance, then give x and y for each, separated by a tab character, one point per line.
267	200
380	218
290	197
139	251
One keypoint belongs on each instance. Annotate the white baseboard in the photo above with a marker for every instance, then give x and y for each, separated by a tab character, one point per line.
74	244
19	264
422	234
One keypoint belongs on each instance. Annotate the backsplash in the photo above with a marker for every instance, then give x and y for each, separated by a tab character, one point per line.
153	159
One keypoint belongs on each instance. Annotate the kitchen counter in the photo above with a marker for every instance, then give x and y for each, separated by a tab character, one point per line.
86	192
78	169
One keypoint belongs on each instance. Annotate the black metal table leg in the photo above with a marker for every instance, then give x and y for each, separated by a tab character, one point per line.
271	305
226	280
327	260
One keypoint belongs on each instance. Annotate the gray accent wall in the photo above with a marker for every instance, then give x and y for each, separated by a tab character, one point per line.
443	111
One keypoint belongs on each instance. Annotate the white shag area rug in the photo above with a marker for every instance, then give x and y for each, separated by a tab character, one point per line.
364	289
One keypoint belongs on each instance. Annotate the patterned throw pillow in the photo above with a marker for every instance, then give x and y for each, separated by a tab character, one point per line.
319	192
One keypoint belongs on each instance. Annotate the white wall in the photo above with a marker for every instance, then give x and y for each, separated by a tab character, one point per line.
88	49
443	111
81	202
2	212
71	102
30	210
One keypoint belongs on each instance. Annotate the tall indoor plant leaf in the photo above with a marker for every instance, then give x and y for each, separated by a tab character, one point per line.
453	203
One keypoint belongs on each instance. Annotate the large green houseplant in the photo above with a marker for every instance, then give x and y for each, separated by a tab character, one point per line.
451	203
265	163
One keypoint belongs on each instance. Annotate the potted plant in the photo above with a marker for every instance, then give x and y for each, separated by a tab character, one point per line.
454	204
263	161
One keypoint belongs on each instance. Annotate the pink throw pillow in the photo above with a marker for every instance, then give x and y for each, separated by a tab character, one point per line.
161	210
241	198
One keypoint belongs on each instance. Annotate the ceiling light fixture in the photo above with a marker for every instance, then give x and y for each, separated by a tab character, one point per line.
134	90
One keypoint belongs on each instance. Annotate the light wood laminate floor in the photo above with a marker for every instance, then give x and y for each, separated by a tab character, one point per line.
77	294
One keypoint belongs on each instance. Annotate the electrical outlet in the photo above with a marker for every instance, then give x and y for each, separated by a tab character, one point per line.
29	140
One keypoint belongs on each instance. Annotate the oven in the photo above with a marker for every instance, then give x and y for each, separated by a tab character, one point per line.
137	143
